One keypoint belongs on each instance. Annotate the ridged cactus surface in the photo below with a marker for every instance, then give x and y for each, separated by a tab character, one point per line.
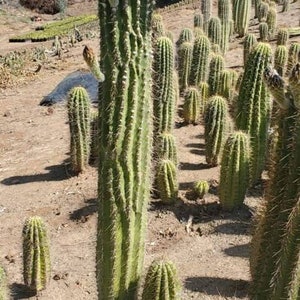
192	105
263	31
293	57
186	35
161	282
241	16
185	57
282	36
125	145
215	31
216	67
224	13
167	147
206	9
249	42
280	59
272	21
198	20
263	11
36	254
201	188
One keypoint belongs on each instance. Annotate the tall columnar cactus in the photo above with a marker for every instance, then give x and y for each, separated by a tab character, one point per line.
201	188
157	26
216	68
161	282
272	21
214	30
280	59
263	31
274	260
185	57
163	82
293	57
216	121
167	183
192	105
241	16
186	35
224	13
79	122
200	60
167	147
198	21
206	8
204	95
36	254
249	42
282	36
225	87
263	11
234	173
125	143
253	107
3	285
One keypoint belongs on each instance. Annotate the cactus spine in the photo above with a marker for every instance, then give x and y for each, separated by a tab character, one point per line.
241	16
216	68
167	182
125	143
3	286
224	13
272	21
293	57
214	30
225	86
201	188
36	254
94	135
216	128
253	107
164	94
186	35
161	282
206	7
79	123
200	60
157	26
249	42
234	173
185	56
263	11
92	62
203	90
280	59
282	36
263	31
198	20
192	105
167	148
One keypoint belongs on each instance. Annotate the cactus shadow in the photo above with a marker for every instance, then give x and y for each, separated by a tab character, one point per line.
82	214
216	286
21	291
196	145
239	251
200	152
55	173
191	166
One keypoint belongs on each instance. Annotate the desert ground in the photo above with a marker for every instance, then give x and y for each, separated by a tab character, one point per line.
209	247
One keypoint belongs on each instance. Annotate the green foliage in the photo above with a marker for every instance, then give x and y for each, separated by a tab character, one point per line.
80	132
36	254
216	68
192	105
161	282
201	188
241	16
234	173
185	56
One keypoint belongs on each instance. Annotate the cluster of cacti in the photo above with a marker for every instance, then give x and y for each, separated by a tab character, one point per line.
198	20
263	31
186	35
3	285
206	8
216	121
201	188
280	59
79	123
36	254
224	13
92	62
241	16
234	173
192	105
214	31
272	21
216	68
282	36
274	260
185	56
161	282
125	143
167	182
200	61
253	107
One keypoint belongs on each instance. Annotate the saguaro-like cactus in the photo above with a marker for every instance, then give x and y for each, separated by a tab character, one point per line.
201	188
200	60
234	173
280	59
125	142
185	56
216	67
36	254
167	183
79	123
253	107
224	13
216	129
206	7
241	16
249	42
161	282
3	285
215	30
192	105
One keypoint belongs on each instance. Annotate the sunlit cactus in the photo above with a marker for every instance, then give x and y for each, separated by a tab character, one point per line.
241	16
192	105
185	56
3	285
201	188
186	35
204	95
280	59
216	68
249	42
157	26
282	36
198	20
206	8
166	147
92	61
272	21
224	13
263	11
225	87
263	31
293	57
214	31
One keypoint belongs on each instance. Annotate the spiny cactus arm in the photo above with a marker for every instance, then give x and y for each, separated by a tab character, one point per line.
91	60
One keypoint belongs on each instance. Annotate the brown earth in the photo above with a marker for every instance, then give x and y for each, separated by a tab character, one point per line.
209	247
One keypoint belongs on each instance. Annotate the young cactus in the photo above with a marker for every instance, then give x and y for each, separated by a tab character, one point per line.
36	254
234	173
225	87
280	59
167	183
215	30
80	131
161	282
216	121
216	68
3	285
157	25
263	11
204	91
167	147
249	42
192	105
241	16
282	36
201	188
272	21
263	31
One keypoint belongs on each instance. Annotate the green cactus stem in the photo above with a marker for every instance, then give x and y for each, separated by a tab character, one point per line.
263	31
167	147
234	173
185	56
280	59
216	121
254	106
249	42
263	12
198	21
216	68
204	95
80	131
201	188
157	26
256	7
167	183
92	61
94	135
215	30
198	32
272	21
161	282
241	16
200	61
3	285
206	8
224	13
125	145
293	57
192	105
225	87
282	36
36	254
186	35
294	83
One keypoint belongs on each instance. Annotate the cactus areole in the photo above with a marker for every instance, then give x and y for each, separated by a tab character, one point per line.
125	139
